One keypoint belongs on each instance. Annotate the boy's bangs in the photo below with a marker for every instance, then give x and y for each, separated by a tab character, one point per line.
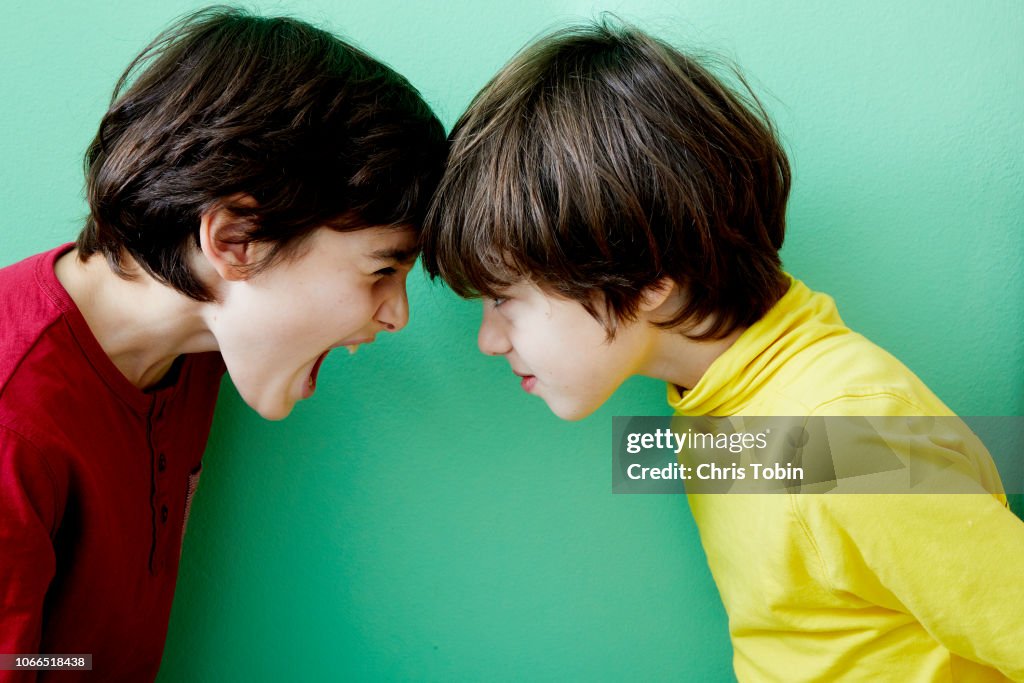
477	236
474	262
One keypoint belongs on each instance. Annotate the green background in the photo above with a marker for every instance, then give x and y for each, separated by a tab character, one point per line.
422	518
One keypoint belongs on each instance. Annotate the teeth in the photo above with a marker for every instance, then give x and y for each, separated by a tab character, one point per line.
310	380
352	348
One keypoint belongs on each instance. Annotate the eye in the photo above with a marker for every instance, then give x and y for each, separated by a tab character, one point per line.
498	301
384	272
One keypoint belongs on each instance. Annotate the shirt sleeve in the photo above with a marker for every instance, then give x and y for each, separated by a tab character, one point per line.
28	518
953	561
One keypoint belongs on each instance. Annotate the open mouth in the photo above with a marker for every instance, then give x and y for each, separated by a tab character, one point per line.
315	370
311	386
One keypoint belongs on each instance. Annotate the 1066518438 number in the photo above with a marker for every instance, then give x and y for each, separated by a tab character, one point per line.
45	662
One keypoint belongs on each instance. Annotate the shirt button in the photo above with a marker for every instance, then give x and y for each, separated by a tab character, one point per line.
162	462
163	514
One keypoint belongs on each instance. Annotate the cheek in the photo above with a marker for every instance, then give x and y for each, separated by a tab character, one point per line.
324	318
352	315
546	351
564	357
595	367
357	301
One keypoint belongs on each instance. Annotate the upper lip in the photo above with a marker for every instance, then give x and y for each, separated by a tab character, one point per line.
521	374
353	342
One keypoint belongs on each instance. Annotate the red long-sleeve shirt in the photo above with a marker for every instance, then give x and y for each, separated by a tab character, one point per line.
95	481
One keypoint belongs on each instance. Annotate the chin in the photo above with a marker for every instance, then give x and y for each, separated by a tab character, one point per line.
272	411
572	413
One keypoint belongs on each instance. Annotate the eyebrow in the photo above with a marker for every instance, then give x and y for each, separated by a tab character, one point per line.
405	256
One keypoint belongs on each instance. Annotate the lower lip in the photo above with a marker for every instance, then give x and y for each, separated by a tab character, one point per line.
310	385
528	382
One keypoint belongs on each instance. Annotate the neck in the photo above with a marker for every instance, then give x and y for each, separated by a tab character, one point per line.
670	355
682	361
141	324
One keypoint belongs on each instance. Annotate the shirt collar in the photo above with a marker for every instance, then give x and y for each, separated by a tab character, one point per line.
736	376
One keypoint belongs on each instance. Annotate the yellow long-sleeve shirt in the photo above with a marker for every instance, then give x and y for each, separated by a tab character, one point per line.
853	587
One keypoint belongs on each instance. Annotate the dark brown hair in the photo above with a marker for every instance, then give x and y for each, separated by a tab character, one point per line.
225	104
600	160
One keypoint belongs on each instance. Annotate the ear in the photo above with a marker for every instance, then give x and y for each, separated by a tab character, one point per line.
656	294
224	241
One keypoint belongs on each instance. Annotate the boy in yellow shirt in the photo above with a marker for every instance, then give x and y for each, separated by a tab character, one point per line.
620	210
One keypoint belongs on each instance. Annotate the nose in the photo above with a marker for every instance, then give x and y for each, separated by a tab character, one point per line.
492	338
393	312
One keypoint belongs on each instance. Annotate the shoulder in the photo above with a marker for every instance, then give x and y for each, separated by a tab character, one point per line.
850	375
26	308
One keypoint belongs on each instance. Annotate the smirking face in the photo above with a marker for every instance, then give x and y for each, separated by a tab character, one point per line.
559	350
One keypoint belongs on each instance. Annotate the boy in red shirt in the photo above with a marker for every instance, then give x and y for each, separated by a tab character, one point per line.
255	193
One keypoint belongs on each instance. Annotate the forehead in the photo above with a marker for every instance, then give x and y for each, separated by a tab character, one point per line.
385	243
400	245
527	291
361	248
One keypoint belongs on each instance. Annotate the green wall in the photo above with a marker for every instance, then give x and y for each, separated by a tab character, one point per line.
422	518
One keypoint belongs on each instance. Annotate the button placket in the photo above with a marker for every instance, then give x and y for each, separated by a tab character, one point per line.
159	468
